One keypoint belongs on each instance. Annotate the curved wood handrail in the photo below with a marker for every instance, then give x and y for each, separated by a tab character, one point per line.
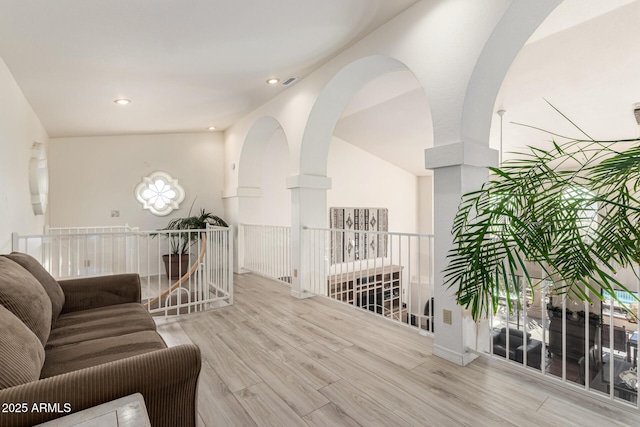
185	277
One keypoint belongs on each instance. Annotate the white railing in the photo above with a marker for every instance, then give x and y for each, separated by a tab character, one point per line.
387	273
89	229
202	279
79	252
590	346
220	263
267	250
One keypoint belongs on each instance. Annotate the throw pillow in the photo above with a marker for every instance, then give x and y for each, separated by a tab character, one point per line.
22	294
47	281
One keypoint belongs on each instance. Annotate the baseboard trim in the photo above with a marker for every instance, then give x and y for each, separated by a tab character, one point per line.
461	359
301	294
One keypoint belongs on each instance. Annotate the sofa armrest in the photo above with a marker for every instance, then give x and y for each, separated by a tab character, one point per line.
534	350
167	379
93	292
497	337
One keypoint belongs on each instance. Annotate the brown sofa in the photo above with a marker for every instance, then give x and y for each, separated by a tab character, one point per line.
78	343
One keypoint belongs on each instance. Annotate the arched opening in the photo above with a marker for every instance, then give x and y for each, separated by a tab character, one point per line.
255	143
330	104
375	162
264	202
370	126
262	171
375	151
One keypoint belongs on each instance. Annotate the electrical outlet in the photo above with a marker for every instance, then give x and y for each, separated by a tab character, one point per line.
87	263
295	272
446	316
115	214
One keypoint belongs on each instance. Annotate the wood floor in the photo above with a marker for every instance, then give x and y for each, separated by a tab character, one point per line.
152	286
272	360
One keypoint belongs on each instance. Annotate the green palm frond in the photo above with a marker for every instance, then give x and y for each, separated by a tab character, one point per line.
531	211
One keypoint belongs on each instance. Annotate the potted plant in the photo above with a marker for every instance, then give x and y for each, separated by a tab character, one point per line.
572	211
177	261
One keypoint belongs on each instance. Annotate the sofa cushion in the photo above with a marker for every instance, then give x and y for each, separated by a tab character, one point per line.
100	322
21	352
91	353
50	285
22	294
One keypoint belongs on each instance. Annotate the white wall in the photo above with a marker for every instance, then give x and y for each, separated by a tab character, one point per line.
19	128
92	176
425	205
276	198
360	179
274	207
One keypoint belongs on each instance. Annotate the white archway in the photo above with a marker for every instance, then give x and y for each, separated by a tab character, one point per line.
499	52
329	105
251	157
461	167
247	201
309	188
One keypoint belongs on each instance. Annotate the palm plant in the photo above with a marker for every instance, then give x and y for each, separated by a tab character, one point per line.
180	242
571	211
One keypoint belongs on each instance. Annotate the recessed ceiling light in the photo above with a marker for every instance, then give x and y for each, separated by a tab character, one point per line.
273	81
122	101
211	128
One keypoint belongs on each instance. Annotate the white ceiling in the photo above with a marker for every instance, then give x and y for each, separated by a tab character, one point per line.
186	65
574	12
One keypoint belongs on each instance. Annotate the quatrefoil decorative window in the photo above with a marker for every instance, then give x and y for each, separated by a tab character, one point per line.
159	193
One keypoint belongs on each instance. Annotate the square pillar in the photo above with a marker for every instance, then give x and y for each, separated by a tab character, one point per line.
457	169
308	209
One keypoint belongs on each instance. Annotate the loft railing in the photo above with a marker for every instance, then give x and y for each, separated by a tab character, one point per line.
390	274
89	229
266	250
82	251
112	254
203	279
590	346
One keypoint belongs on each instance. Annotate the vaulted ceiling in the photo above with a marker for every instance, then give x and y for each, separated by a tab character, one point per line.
190	65
186	65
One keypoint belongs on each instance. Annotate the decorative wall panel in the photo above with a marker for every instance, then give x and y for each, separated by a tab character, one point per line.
354	244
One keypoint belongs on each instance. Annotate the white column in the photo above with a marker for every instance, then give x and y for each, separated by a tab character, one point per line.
308	209
238	203
458	168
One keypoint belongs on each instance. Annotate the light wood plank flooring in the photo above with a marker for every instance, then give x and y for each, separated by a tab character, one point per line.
272	360
152	286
